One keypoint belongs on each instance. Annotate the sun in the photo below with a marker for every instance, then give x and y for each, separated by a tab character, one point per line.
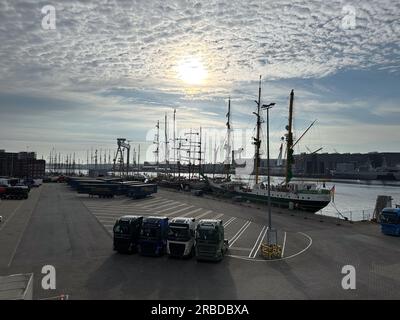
191	70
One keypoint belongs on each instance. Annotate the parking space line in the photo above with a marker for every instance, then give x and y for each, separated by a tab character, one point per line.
11	215
177	211
116	215
283	245
117	210
219	215
262	238
170	205
256	244
191	212
105	204
239	233
153	205
146	199
149	200
240	249
203	214
176	206
227	223
155	202
120	212
122	206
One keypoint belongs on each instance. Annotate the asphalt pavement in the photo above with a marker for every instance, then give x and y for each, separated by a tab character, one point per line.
72	232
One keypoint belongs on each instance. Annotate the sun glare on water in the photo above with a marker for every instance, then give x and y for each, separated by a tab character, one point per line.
191	70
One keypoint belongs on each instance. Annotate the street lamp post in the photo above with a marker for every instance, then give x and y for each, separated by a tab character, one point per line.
270	231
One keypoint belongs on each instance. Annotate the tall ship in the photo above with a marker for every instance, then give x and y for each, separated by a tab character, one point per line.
300	195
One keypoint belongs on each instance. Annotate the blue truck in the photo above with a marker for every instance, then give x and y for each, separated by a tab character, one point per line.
390	221
153	236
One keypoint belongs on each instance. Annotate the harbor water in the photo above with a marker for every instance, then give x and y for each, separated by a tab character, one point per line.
353	199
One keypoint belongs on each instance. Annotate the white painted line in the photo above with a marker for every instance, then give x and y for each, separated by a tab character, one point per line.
115	207
26	225
158	201
191	212
100	216
177	211
256	244
217	216
170	205
227	223
240	249
239	233
106	205
283	246
262	238
156	204
203	214
148	200
117	210
121	206
280	259
143	199
176	206
118	215
11	215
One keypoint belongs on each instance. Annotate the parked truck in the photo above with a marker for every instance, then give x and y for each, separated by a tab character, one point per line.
153	236
210	242
102	190
126	233
141	190
181	237
390	221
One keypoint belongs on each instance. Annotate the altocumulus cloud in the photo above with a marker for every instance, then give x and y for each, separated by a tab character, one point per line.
110	58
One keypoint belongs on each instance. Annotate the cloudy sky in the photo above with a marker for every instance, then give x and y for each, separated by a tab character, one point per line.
111	69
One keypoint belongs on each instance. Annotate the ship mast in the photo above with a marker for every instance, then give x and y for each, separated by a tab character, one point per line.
257	141
174	138
166	142
228	142
289	141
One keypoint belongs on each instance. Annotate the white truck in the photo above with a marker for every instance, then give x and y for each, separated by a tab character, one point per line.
181	237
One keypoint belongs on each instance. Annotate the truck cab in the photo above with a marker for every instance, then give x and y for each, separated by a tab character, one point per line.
181	237
210	242
390	221
153	236
126	233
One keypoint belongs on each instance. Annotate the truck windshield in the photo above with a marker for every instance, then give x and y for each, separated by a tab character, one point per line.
122	228
150	232
390	218
207	234
178	232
